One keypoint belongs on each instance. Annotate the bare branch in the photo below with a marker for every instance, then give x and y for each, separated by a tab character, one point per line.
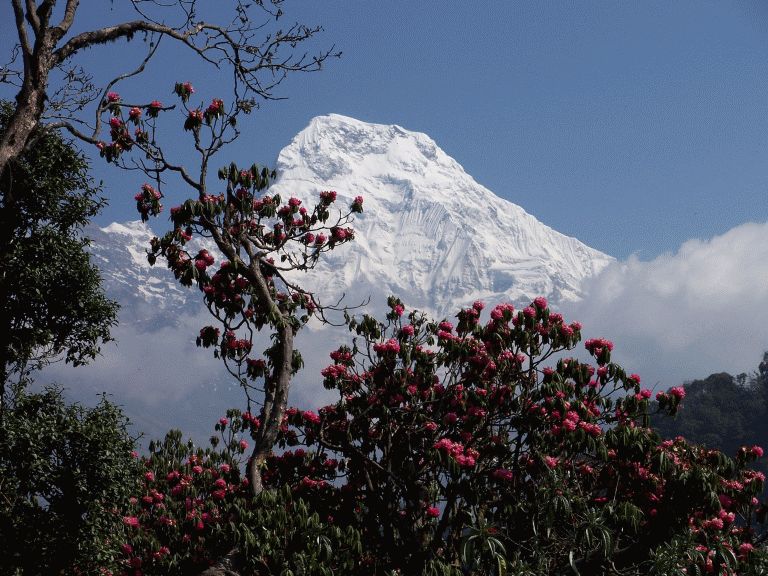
69	16
8	75
21	29
32	18
124	30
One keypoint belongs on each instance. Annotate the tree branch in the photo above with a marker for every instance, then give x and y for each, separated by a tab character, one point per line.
124	30
32	18
18	12
69	16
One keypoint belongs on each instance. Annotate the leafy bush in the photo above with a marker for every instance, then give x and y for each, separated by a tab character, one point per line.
456	451
64	472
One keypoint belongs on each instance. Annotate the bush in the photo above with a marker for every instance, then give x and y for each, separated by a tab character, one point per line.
64	472
455	451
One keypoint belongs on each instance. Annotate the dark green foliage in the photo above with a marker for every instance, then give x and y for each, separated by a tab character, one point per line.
723	412
53	303
64	472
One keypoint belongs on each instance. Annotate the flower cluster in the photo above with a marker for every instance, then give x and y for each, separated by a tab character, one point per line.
148	202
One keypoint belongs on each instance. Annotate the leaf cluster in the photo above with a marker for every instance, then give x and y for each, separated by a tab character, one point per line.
53	302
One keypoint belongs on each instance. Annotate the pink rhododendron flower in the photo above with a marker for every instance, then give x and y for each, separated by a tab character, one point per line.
550	461
502	474
529	312
678	392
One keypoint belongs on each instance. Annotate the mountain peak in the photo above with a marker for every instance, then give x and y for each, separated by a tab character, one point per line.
430	233
334	145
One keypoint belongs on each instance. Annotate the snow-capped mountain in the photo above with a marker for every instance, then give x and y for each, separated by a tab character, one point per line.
430	234
149	295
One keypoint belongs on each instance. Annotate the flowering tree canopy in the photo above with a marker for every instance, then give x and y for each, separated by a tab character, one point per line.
471	449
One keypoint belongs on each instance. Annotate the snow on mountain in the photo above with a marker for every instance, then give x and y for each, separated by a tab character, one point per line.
430	233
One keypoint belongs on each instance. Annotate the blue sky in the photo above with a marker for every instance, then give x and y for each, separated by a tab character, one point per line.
632	126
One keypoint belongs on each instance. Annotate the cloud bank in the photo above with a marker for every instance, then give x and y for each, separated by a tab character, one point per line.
685	315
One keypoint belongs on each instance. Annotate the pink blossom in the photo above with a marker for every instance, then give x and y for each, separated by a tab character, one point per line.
328	197
529	312
113	97
309	416
550	461
243	445
131	521
540	302
502	474
433	512
678	392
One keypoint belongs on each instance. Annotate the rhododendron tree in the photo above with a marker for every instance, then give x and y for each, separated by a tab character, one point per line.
472	448
258	239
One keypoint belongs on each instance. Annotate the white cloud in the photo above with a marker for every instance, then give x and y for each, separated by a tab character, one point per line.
685	315
164	381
